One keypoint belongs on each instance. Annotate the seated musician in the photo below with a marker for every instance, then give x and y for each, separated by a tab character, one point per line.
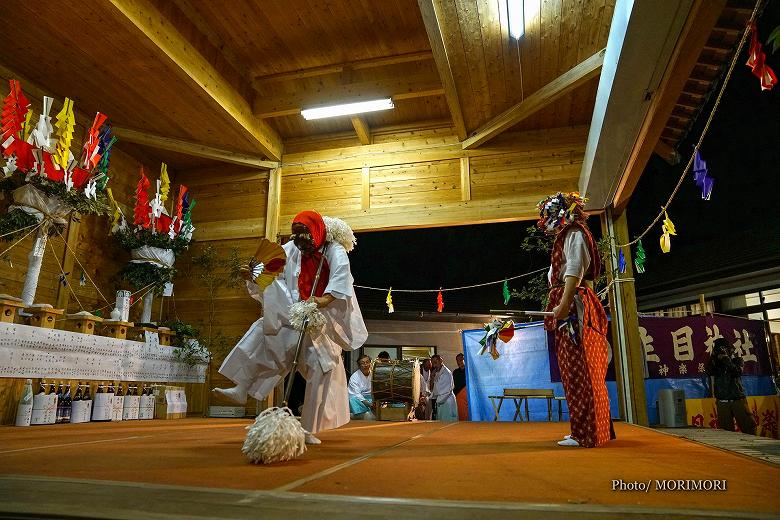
360	400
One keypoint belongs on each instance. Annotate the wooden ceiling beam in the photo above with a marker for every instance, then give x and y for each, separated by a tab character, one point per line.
190	148
557	88
397	88
362	130
667	152
433	26
698	26
148	19
325	70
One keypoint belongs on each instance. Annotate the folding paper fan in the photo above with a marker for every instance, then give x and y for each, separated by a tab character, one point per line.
267	263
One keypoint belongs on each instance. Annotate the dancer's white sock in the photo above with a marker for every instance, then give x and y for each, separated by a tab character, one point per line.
311	439
237	394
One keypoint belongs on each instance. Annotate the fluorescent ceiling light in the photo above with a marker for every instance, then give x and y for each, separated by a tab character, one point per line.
347	109
514	10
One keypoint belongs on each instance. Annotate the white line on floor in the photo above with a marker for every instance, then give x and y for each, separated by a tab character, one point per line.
338	467
75	444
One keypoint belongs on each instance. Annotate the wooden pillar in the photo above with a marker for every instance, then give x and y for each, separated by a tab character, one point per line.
465	179
274	200
628	352
68	261
365	199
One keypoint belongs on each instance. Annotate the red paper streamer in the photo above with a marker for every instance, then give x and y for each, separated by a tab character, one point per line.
757	61
141	216
439	302
14	110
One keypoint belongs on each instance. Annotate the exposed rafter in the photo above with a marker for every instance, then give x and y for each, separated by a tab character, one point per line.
433	26
190	148
546	95
362	130
148	19
399	87
697	29
325	70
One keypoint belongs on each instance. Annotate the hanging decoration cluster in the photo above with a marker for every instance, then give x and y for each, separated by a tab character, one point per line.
40	171
757	61
503	330
161	230
505	292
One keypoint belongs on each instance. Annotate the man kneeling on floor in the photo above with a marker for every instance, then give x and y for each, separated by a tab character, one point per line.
360	400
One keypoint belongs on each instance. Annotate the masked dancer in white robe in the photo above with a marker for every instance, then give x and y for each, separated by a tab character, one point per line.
441	396
264	356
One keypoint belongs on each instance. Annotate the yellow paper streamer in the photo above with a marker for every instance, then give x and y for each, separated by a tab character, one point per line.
668	229
27	128
64	125
117	212
165	183
389	301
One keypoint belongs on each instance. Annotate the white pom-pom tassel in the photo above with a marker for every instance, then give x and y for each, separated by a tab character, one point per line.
299	311
275	436
339	231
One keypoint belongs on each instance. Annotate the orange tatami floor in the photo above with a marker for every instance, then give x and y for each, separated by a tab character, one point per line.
495	462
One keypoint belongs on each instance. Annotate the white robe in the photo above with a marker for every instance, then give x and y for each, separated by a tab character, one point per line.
264	356
360	385
446	406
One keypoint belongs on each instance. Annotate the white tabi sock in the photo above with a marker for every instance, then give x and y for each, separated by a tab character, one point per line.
237	394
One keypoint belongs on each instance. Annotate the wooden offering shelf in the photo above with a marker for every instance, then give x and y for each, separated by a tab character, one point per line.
116	328
166	335
9	307
45	317
84	322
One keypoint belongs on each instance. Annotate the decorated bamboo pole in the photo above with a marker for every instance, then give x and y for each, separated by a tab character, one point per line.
34	262
146	314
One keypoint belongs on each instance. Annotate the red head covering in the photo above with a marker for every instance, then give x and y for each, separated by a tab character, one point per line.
309	263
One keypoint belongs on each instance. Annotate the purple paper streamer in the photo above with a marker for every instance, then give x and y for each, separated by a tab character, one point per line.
701	176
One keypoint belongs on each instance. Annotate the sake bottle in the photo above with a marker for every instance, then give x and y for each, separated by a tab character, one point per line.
60	393
87	396
67	404
24	411
79	396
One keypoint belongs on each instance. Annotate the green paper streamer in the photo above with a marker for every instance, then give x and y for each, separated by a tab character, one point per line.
639	257
506	293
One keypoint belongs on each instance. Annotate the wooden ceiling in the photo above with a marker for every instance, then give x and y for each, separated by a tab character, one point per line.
706	74
234	75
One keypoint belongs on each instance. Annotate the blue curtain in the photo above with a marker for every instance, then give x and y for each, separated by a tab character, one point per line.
525	363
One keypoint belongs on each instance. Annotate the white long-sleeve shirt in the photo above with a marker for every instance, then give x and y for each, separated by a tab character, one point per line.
360	385
443	385
576	257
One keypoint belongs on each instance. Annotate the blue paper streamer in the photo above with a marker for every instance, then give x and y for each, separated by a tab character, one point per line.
701	176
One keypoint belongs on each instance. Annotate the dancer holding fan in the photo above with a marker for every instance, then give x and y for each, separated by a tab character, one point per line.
266	353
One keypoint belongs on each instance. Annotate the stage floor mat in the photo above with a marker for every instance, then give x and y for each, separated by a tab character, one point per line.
382	466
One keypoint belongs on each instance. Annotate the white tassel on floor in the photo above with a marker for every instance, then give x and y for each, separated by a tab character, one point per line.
275	436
